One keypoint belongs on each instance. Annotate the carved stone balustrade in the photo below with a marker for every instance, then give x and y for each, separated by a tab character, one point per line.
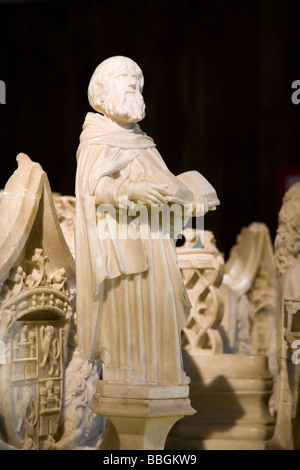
202	271
231	391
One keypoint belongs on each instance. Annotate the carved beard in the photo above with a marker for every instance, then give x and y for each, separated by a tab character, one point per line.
128	105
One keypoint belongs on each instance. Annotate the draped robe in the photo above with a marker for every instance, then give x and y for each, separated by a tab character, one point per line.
131	303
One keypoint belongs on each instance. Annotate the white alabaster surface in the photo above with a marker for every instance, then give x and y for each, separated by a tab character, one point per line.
131	299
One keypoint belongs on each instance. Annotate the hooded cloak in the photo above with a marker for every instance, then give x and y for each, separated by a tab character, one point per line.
130	295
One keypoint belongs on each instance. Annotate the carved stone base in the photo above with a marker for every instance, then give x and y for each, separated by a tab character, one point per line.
140	416
231	393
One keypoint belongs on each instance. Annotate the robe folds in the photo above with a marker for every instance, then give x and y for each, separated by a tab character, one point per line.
131	303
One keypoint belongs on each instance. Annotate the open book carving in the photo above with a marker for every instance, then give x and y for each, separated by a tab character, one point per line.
187	188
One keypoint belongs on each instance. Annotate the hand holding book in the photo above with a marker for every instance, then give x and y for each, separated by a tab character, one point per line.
187	188
148	192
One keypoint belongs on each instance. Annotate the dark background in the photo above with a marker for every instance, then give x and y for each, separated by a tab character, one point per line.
218	78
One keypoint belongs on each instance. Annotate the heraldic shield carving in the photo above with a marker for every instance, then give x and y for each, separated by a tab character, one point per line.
37	323
36	386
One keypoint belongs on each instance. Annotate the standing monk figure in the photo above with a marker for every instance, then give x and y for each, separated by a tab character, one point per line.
131	300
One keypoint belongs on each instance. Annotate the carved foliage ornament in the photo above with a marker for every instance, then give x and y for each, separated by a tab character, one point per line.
28	289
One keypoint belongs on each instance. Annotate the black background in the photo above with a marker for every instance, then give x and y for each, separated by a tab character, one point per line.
218	78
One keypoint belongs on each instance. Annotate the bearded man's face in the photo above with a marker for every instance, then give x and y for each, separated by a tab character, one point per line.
123	98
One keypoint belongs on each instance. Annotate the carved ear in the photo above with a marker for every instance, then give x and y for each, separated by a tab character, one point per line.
100	98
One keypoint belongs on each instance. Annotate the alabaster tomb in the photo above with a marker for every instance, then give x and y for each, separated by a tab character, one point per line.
114	338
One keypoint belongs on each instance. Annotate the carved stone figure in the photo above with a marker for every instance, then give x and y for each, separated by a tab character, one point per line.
287	433
65	207
81	428
249	292
22	403
50	349
131	300
288	228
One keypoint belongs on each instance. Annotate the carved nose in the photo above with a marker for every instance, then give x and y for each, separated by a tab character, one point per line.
131	82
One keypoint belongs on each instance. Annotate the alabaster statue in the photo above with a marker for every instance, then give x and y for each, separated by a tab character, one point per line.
131	300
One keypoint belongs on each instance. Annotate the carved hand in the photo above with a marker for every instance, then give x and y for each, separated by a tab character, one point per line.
148	192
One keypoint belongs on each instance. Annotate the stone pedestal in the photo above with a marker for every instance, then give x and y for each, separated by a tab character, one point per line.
140	416
231	393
